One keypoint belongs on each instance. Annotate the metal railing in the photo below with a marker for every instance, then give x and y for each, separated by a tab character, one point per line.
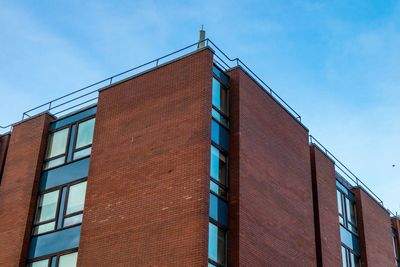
349	175
89	94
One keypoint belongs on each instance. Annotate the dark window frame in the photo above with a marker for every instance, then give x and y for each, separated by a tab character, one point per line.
225	230
348	252
68	145
50	256
64	215
346	221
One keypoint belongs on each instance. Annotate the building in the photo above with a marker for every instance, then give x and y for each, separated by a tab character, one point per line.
189	160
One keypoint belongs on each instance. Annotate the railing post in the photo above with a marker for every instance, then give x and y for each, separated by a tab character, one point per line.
50	105
111	80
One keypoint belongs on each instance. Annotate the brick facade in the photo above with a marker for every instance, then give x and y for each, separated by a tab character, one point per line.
274	205
326	209
19	188
375	231
148	185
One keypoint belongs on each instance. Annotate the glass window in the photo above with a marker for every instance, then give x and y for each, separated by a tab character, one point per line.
76	198
351	212
82	153
216	243
54	162
218	165
44	228
219	135
219	96
220	74
218	209
42	263
217	189
57	143
85	133
68	260
220	118
47	207
344	257
77	219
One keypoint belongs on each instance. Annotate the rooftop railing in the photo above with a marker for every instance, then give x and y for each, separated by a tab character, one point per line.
350	177
89	95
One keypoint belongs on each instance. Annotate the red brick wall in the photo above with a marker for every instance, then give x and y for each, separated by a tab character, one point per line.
375	232
325	209
19	188
4	140
148	185
275	205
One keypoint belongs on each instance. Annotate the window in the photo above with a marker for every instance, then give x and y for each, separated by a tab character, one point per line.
46	212
349	258
219	135
218	166
84	139
68	260
60	208
56	148
70	143
347	211
60	260
42	263
219	96
218	210
216	244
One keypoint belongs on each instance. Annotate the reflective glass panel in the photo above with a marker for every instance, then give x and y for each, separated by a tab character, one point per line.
219	96
54	163
85	133
216	243
76	198
47	207
339	202
42	263
73	220
218	209
219	135
344	257
220	74
44	228
351	212
217	116
218	165
82	153
68	260
217	189
57	143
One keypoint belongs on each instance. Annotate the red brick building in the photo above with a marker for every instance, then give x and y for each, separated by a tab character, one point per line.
192	161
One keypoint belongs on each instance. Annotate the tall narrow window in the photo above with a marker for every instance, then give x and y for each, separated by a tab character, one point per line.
218	165
216	244
46	212
219	96
56	148
76	202
84	139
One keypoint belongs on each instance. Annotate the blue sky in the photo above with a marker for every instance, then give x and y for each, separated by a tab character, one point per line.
335	62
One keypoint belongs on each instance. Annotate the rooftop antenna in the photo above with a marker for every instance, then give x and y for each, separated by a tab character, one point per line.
202	42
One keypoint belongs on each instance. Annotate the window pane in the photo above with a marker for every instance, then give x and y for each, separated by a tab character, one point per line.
85	133
54	163
219	135
217	189
344	257
82	153
44	228
57	143
219	96
218	209
217	116
216	243
42	263
47	207
76	198
339	202
73	220
68	260
351	212
218	166
220	74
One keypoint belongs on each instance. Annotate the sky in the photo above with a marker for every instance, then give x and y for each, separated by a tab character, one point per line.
335	62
